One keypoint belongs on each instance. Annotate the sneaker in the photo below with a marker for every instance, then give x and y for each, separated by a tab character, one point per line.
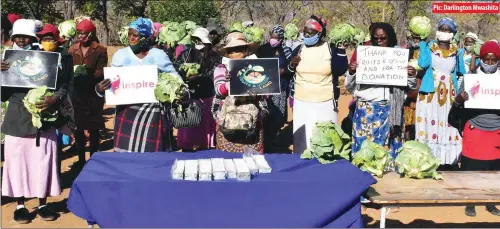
47	214
470	211
22	216
493	210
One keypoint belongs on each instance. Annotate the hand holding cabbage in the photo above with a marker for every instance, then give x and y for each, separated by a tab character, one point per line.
38	102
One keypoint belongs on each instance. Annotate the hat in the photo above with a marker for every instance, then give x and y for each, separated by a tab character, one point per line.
13	18
490	47
49	28
143	26
235	39
85	25
202	33
24	27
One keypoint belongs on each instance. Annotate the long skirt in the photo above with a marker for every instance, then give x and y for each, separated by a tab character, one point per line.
277	106
305	117
432	126
31	171
202	136
371	122
480	144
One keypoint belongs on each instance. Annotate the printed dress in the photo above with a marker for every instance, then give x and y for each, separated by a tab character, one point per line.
432	126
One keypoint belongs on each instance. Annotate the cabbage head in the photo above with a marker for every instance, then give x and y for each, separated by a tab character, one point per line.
32	97
186	40
169	88
329	143
291	32
123	35
359	37
191	69
372	158
171	33
190	26
67	28
416	160
341	34
236	26
420	26
254	34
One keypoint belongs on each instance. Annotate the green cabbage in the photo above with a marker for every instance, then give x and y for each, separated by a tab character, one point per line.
415	160
191	69
4	109
414	63
67	28
254	34
420	26
372	158
341	34
328	143
359	37
30	100
236	26
190	26
169	88
171	33
476	49
291	32
123	35
186	40
79	70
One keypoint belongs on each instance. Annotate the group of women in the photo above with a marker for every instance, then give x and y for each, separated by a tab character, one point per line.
315	66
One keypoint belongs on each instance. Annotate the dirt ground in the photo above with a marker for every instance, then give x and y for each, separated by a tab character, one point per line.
432	217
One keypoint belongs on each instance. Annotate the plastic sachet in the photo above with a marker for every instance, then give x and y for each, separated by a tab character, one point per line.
191	170
178	170
218	168
204	170
262	164
230	168
242	170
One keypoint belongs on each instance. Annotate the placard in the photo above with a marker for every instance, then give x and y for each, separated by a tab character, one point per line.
31	69
382	66
131	85
483	90
258	76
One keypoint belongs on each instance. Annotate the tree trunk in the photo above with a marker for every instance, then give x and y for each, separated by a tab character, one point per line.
401	10
105	36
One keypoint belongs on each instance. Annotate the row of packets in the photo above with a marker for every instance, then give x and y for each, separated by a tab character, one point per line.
220	169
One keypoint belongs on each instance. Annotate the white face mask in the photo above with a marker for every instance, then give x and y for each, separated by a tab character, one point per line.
199	47
14	46
489	69
468	48
443	36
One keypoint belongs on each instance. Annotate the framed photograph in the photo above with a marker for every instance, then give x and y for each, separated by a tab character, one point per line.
31	69
256	76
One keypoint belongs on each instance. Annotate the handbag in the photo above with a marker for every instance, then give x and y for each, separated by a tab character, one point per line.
186	115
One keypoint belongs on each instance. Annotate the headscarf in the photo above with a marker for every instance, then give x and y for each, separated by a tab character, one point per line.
449	22
490	47
13	18
313	24
472	35
280	31
143	26
86	26
157	26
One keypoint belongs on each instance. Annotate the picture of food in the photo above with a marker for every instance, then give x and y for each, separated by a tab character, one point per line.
254	77
31	69
252	74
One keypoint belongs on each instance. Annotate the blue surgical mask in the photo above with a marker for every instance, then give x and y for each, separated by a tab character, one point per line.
489	69
310	41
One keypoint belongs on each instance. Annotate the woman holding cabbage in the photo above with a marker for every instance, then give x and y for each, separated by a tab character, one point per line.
442	65
31	164
196	65
481	133
317	66
378	116
144	120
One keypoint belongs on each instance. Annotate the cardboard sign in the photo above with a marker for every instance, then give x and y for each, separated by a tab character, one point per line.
256	76
131	85
483	90
31	69
382	66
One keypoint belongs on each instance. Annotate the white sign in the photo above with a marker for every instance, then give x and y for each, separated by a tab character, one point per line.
131	85
483	90
382	66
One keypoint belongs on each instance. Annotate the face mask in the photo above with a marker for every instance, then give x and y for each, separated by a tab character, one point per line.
274	42
199	47
411	43
310	41
27	47
85	40
468	48
49	46
442	36
489	69
139	45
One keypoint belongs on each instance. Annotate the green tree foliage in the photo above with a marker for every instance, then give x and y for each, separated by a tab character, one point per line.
44	10
178	10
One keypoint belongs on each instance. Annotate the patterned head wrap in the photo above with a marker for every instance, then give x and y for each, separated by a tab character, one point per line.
279	30
449	22
143	26
313	24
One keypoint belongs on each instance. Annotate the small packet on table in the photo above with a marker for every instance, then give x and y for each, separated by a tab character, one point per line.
205	170
262	164
191	170
242	170
230	168
178	170
218	168
251	164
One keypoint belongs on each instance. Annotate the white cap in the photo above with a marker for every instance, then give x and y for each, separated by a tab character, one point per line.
202	33
24	27
247	24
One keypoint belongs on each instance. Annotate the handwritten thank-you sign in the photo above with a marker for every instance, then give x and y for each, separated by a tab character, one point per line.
382	66
131	85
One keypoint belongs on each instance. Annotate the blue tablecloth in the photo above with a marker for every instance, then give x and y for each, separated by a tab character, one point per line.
136	190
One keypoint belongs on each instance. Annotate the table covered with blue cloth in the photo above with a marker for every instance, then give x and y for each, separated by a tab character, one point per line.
136	190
